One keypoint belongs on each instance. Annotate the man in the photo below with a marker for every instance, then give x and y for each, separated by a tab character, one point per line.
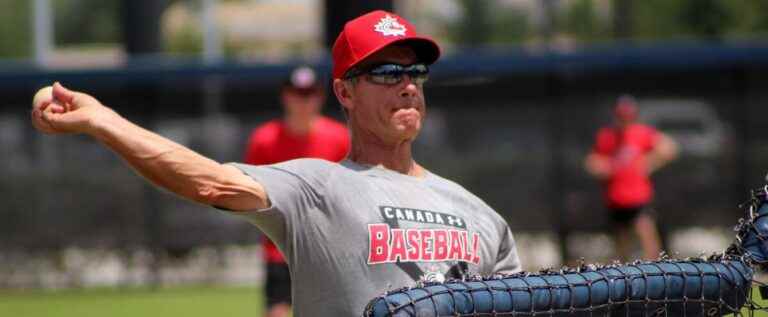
623	158
352	230
302	132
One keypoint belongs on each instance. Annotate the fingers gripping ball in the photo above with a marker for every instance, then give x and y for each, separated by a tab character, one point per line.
41	102
57	109
44	94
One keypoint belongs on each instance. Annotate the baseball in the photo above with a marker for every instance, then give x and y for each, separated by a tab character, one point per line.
41	95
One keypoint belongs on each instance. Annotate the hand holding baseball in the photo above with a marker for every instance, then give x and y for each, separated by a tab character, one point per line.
56	109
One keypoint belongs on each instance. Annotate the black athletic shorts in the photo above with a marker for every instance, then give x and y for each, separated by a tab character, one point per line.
627	216
278	285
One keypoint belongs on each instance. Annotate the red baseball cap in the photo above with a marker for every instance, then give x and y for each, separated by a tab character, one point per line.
369	33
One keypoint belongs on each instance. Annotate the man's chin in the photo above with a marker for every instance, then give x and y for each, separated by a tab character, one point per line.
408	133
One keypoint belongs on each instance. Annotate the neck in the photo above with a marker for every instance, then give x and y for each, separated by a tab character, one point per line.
396	157
299	126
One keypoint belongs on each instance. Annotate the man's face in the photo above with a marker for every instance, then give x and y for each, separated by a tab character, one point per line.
623	122
625	114
302	103
391	113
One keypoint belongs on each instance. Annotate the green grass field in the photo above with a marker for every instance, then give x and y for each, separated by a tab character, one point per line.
166	302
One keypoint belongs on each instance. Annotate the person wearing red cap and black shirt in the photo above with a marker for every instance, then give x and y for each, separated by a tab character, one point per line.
349	231
623	158
302	132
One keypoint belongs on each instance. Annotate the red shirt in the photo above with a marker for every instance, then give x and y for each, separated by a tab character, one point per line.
272	143
628	185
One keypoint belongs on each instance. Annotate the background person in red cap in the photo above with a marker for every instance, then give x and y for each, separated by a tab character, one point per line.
302	132
623	158
349	231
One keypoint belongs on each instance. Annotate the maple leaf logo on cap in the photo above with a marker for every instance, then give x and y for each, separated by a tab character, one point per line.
389	26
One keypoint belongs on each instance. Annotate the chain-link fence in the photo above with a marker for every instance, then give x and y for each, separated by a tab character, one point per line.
516	139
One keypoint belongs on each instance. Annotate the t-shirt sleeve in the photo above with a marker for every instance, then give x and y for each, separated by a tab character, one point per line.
507	260
293	188
652	138
604	142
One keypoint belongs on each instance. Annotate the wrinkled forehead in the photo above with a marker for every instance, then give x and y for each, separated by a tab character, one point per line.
398	54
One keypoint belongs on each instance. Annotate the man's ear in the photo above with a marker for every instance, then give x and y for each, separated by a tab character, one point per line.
343	91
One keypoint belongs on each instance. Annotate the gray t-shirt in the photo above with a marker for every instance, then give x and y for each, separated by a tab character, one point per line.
350	232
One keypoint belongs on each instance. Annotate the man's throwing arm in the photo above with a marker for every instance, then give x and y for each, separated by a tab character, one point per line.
165	163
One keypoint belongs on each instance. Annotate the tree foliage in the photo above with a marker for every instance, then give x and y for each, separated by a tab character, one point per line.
15	28
581	21
486	22
86	21
481	22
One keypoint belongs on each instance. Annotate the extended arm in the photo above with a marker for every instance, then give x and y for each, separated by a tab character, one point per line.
598	165
665	151
165	163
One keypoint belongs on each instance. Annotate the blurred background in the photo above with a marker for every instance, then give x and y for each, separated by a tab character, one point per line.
514	103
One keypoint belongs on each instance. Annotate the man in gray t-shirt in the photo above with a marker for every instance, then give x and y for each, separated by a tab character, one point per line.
350	231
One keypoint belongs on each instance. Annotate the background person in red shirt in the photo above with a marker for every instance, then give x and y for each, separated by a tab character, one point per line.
623	158
302	132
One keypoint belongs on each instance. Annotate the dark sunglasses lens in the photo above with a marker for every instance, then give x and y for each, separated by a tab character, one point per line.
390	74
419	73
386	74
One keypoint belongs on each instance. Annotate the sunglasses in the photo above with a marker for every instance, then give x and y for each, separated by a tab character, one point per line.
390	74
